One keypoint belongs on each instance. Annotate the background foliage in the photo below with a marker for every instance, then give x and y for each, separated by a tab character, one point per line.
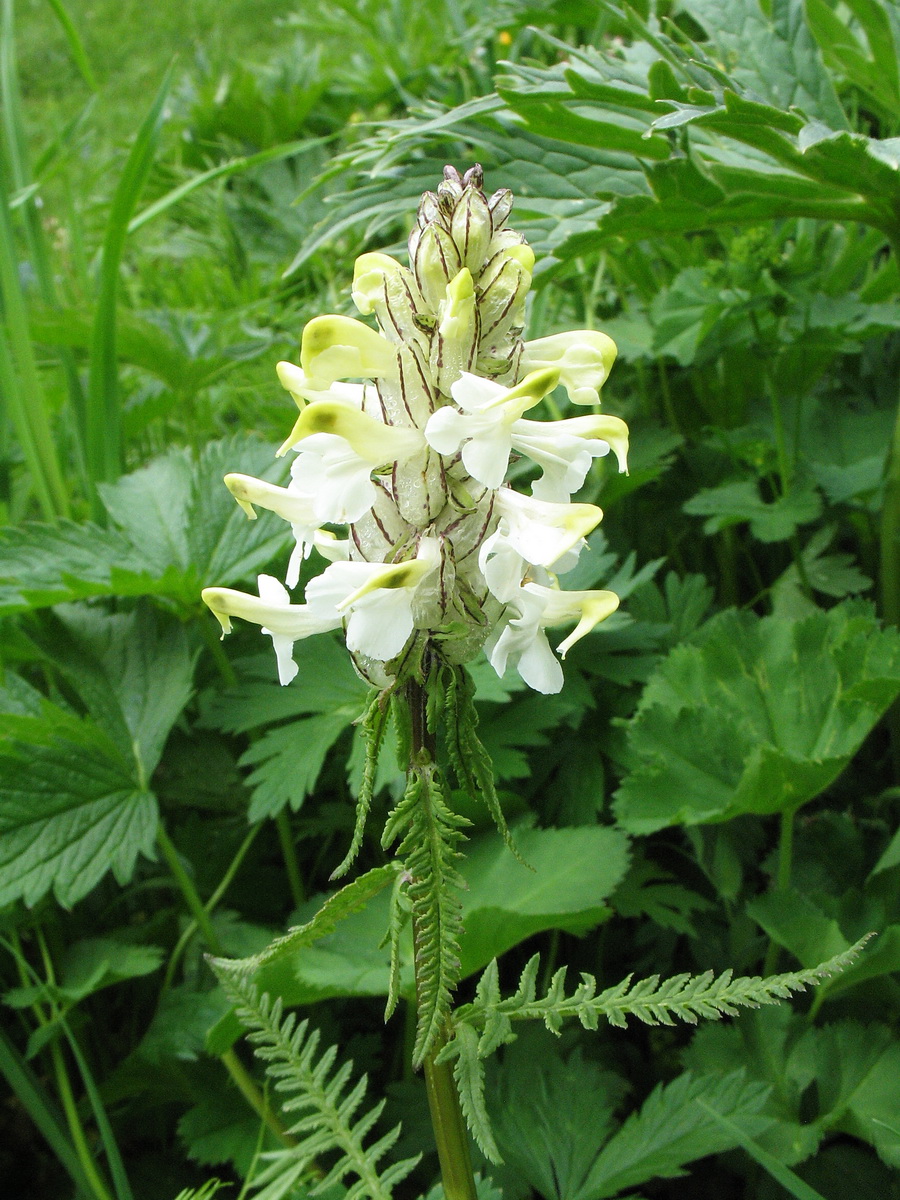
714	184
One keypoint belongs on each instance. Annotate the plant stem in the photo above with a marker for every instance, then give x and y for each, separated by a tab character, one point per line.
289	854
63	1083
447	1121
449	1131
253	1096
76	1129
782	879
230	1061
209	906
190	893
890	548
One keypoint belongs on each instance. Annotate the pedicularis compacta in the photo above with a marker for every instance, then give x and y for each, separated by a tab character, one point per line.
441	555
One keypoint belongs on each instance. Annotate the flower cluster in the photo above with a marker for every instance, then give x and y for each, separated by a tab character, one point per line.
412	460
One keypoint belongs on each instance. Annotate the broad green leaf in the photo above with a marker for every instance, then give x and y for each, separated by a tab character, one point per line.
182	518
42	565
179	530
550	1115
326	682
222	1128
133	672
755	716
784	1175
570	875
287	760
75	799
772	54
794	922
842	1077
70	809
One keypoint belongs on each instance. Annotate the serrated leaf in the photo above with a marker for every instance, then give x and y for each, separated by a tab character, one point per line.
672	1128
326	681
757	716
287	761
770	521
794	922
70	809
178	530
337	908
133	672
551	1115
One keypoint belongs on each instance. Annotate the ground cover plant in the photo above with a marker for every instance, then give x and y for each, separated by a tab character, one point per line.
703	794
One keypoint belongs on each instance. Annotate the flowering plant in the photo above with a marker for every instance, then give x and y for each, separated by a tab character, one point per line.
441	557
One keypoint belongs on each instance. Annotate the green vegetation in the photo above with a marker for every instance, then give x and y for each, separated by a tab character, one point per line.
707	810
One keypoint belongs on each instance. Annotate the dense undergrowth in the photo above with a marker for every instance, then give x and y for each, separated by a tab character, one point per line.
715	788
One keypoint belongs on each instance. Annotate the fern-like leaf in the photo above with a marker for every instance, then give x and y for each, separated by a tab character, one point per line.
315	1095
373	725
470	760
655	1002
342	904
430	834
469	1075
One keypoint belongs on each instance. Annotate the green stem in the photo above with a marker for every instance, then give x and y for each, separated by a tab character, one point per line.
63	1083
76	1129
449	1131
190	893
231	1062
782	879
209	907
889	539
289	854
253	1096
447	1121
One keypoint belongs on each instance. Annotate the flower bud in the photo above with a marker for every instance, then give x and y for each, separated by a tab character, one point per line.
500	205
471	228
436	261
455	341
383	287
502	303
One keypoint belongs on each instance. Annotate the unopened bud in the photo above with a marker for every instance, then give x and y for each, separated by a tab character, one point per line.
471	228
435	261
500	205
383	287
455	341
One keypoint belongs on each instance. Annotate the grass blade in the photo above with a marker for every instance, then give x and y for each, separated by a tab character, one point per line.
777	1169
27	1090
103	434
76	45
222	171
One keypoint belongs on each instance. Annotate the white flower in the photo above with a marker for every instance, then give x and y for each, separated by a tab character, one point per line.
521	642
540	531
378	598
583	358
484	428
284	622
565	449
532	532
288	503
336	347
338	449
492	425
303	390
